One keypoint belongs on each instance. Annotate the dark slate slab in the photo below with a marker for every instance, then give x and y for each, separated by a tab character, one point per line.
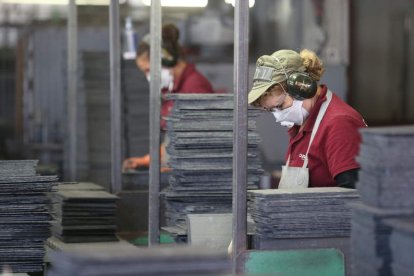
24	215
302	213
402	244
150	261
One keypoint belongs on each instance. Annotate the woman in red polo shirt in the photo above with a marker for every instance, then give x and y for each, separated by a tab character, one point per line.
323	129
177	76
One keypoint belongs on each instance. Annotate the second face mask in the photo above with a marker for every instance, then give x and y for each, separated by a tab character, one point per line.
167	79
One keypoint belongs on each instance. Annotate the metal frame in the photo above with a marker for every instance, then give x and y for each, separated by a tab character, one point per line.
72	96
115	96
240	119
241	49
155	120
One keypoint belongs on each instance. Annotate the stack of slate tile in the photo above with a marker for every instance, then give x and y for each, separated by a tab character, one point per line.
95	83
387	191
135	91
94	155
84	213
370	246
302	213
200	132
172	261
402	244
386	156
77	186
24	215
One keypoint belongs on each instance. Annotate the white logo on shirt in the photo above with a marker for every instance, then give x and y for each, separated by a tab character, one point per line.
302	156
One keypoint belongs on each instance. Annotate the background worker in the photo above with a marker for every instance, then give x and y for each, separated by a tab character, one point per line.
323	129
177	76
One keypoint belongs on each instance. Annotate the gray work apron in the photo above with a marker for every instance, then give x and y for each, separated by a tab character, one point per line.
298	177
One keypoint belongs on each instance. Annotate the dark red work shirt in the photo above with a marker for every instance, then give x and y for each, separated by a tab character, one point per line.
335	145
190	81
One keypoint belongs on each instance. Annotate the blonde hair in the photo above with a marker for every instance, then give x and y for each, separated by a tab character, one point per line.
313	64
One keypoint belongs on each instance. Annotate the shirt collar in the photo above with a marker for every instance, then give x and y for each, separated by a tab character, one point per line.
178	83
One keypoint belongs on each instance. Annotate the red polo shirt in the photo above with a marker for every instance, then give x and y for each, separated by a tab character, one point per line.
335	145
190	81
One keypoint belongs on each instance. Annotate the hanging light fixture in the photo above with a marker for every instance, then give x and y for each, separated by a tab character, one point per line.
61	2
232	2
180	3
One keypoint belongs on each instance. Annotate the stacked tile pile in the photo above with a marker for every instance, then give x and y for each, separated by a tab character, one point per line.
135	91
95	147
159	261
94	154
302	213
84	212
24	215
387	191
200	132
402	244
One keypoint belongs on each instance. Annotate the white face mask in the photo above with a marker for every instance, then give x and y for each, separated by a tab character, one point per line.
294	115
167	79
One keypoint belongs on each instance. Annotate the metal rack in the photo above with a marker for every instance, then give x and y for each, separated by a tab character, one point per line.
240	115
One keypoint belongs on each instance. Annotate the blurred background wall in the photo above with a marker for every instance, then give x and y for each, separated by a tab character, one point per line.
367	47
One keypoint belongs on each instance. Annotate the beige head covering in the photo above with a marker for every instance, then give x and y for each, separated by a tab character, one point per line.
274	69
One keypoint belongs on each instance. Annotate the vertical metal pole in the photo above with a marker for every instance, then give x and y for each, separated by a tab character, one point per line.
405	67
241	58
72	97
155	120
115	67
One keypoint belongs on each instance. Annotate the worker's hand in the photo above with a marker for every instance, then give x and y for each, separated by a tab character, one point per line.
136	162
144	161
128	164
